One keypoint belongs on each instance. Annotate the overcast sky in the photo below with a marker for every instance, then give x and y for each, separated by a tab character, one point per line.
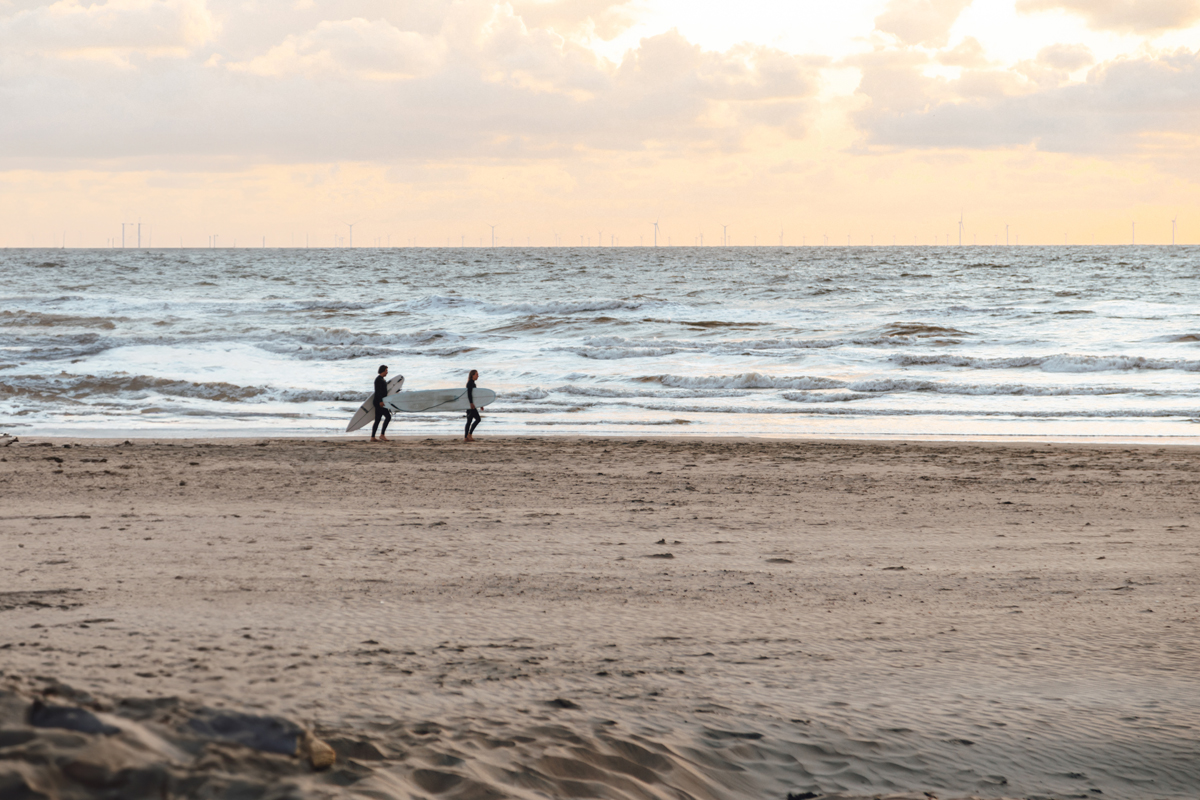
428	120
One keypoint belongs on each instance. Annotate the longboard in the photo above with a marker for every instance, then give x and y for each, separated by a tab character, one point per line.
366	412
437	400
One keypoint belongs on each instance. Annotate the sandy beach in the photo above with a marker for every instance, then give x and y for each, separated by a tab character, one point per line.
616	618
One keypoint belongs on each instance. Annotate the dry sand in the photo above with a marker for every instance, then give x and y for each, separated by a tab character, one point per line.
604	618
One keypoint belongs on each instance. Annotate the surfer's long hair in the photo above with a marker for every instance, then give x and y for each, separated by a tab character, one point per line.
473	374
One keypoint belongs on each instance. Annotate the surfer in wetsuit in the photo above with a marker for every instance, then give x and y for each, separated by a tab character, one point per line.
381	411
473	418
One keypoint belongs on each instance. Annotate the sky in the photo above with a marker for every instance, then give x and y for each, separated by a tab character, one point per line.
427	122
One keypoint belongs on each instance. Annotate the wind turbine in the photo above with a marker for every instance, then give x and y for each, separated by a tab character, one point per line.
655	223
724	235
1133	234
960	228
493	227
1173	230
351	226
781	237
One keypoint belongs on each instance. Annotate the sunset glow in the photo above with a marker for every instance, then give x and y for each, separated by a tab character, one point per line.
584	121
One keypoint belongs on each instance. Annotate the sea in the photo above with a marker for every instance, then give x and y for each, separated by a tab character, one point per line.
1047	343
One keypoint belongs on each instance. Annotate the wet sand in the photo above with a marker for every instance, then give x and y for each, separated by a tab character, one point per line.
561	617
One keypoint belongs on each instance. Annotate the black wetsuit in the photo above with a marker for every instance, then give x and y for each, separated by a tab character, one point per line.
381	411
473	418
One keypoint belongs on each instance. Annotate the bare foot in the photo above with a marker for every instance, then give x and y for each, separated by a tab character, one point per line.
373	439
384	439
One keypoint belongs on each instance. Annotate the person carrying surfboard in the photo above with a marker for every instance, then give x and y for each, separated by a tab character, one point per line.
381	411
473	417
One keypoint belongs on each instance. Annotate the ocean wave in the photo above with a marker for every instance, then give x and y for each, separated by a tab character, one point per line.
327	306
1066	363
715	323
618	347
344	337
919	330
887	385
818	410
824	397
34	319
329	353
616	393
87	388
609	348
438	303
526	394
616	353
80	388
742	384
715	346
598	391
814	390
745	380
55	348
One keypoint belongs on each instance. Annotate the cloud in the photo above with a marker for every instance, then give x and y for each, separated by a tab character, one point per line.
1126	16
1068	57
370	50
1121	103
435	80
112	29
920	22
967	53
606	18
1054	64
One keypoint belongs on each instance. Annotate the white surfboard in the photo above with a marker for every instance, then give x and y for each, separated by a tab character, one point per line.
437	400
366	412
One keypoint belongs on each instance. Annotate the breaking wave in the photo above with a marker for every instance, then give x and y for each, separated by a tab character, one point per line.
85	388
1052	363
745	380
30	319
438	303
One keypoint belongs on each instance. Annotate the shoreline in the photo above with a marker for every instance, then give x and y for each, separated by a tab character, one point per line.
500	439
732	617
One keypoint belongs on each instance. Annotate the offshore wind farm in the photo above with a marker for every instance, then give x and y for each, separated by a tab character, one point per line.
1168	229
